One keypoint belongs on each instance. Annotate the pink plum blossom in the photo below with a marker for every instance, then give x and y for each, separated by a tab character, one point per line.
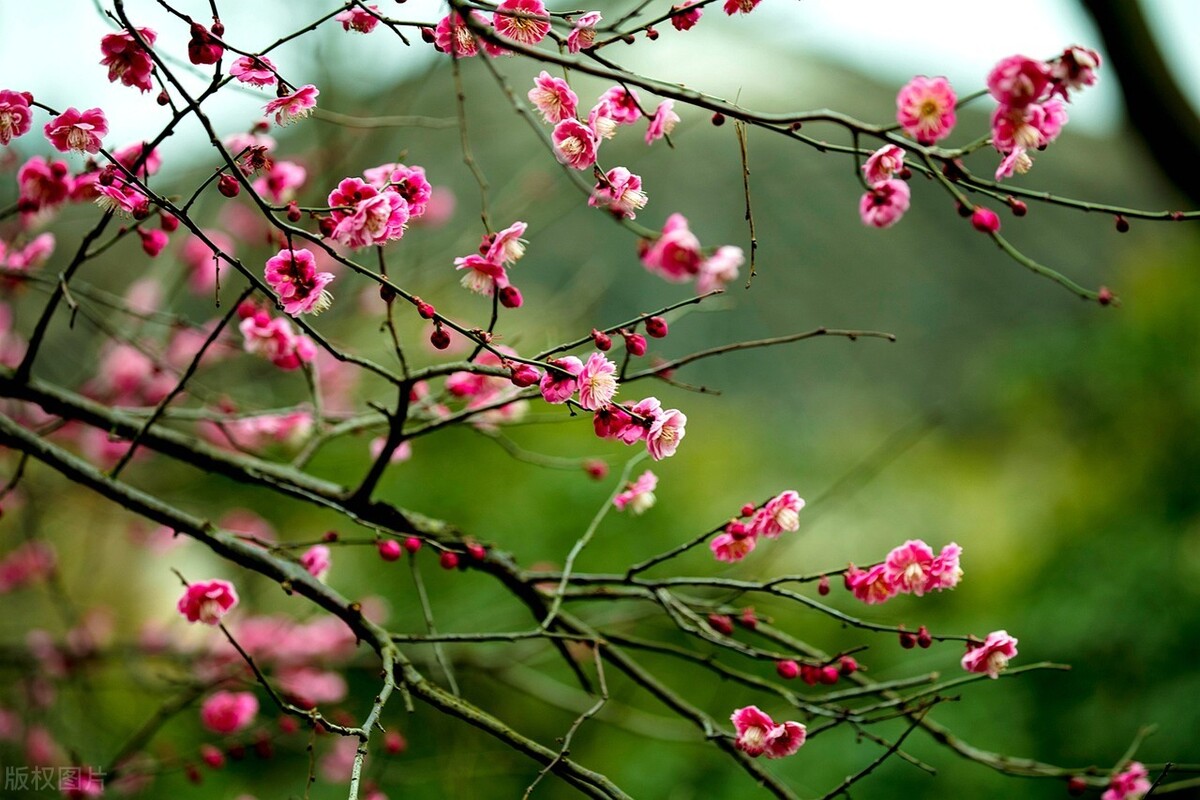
757	733
925	109
515	19
600	121
281	181
574	144
508	247
779	514
29	563
409	182
734	544
77	130
583	35
358	19
310	687
913	568
291	107
481	275
684	17
1074	69
1018	80
122	198
883	163
870	586
597	382
663	121
127	60
254	70
992	655
884	204
454	37
553	98
1132	783
207	601
203	47
665	434
719	269
623	105
15	117
620	192
675	254
561	381
294	277
364	215
317	561
276	340
32	255
42	184
229	712
740	6
638	495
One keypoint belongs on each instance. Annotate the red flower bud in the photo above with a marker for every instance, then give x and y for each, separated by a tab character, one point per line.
847	665
829	675
595	468
985	220
394	743
721	623
293	212
924	640
635	343
448	560
426	310
787	669
1122	224
601	339
228	186
656	327
439	338
389	549
510	297
326	226
823	585
412	544
524	375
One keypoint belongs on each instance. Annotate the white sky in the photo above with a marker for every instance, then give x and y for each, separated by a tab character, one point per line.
892	40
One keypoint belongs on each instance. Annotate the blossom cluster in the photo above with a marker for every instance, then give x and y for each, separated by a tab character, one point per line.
758	734
779	514
911	568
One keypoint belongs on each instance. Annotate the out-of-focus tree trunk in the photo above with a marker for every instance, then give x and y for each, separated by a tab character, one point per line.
1158	110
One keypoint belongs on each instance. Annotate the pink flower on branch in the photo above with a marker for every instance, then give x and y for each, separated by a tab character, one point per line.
663	121
597	382
992	655
740	6
77	130
207	601
364	215
583	35
254	70
523	21
129	61
316	560
561	379
734	544
1074	69
757	734
409	182
620	192
1132	783
638	496
15	117
779	514
925	109
229	712
871	586
294	277
357	19
553	98
675	254
665	434
574	144
290	107
719	269
684	17
1018	81
454	37
884	204
883	163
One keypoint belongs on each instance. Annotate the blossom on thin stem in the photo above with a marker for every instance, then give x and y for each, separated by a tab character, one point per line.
291	107
684	17
553	98
358	19
583	35
254	70
620	192
207	601
574	143
517	20
228	712
883	163
77	130
1132	783
559	383
665	434
15	117
127	60
992	655
779	514
364	215
925	109
663	121
454	37
294	277
757	734
597	382
638	495
884	204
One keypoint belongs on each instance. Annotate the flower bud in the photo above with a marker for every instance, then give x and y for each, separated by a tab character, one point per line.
847	665
326	226
439	338
601	339
985	220
394	743
163	98
330	536
426	310
810	674
293	212
721	624
525	375
924	640
510	297
389	549
829	675
823	585
1076	786
477	551
212	756
228	186
748	618
1122	224
427	35
168	222
718	119
748	509
787	669
595	468
412	544
908	640
448	560
635	343
1105	296
656	327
